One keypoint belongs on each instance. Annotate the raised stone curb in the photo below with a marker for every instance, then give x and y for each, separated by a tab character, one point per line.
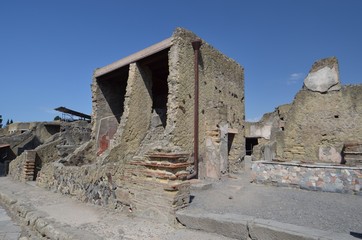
249	228
228	225
37	222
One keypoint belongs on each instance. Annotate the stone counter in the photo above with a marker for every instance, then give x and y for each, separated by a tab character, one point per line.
328	178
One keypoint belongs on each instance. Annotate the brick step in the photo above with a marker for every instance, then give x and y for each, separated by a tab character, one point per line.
353	162
159	174
167	157
162	165
28	169
352	153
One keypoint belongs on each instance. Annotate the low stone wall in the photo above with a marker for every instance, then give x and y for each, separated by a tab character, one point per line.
138	188
341	179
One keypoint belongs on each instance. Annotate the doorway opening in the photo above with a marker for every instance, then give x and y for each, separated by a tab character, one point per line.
250	142
231	137
158	65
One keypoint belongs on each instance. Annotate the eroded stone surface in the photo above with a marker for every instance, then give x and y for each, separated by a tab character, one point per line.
315	126
147	106
330	154
324	76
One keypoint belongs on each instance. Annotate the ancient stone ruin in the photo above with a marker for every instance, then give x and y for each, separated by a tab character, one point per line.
322	126
323	120
144	103
141	148
16	138
138	152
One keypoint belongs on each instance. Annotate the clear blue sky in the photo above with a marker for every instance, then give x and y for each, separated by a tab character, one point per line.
49	49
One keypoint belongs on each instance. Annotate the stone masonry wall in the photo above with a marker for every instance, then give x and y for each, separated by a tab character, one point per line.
137	115
320	120
124	176
221	84
326	178
324	117
117	186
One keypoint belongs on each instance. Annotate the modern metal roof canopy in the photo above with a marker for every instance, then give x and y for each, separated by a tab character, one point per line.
135	57
72	112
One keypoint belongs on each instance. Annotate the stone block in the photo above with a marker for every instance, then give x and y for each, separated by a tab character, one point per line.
329	154
324	76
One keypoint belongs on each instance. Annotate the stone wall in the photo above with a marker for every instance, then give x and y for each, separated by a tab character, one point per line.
120	187
323	117
326	178
27	136
129	126
317	121
221	87
60	147
137	131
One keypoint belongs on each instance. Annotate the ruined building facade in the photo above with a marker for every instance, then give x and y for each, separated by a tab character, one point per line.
145	103
323	124
141	145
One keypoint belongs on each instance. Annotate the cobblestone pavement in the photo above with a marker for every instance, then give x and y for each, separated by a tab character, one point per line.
9	230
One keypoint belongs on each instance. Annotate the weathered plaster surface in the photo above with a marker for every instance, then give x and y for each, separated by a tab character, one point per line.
120	174
322	80
317	125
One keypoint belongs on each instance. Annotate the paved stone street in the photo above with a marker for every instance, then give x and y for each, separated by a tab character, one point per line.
9	230
61	217
235	202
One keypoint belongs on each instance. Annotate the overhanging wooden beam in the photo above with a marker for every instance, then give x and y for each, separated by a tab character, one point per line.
134	57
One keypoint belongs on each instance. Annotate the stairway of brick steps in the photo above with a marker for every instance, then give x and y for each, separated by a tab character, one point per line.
158	182
29	165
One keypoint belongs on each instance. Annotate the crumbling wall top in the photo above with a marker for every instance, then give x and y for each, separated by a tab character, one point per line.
324	76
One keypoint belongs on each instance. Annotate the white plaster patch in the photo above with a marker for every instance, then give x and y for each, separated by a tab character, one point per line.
322	80
329	154
264	131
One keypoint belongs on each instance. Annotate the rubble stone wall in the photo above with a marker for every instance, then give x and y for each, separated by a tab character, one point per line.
317	120
58	147
326	178
221	90
324	117
136	117
122	175
88	183
221	87
107	185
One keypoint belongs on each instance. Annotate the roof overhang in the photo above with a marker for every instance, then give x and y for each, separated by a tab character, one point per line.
4	146
134	57
72	112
